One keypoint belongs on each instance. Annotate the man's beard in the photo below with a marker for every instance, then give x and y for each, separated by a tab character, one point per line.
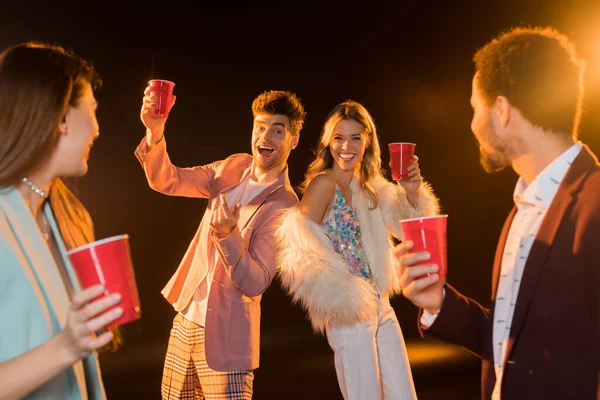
492	162
498	160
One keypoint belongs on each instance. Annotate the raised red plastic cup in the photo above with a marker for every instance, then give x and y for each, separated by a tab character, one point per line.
108	262
401	156
164	91
428	234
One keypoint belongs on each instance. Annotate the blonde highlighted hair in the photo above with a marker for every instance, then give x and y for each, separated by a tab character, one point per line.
370	165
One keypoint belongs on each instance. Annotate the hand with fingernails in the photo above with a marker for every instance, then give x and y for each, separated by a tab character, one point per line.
420	284
223	220
412	184
155	126
86	318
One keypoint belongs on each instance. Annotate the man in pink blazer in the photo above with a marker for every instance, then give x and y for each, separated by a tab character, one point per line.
216	291
539	339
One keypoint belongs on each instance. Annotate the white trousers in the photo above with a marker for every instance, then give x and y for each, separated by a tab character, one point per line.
371	361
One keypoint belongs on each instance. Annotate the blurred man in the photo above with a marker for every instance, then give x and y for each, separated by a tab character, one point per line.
540	339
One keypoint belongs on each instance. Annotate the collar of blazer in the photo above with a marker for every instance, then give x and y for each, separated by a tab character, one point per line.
41	263
237	176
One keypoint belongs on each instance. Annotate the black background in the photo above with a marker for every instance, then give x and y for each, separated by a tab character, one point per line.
408	62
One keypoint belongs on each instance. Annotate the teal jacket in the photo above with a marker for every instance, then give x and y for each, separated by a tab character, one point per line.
33	298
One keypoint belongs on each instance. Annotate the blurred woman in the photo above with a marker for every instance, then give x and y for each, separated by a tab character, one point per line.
48	335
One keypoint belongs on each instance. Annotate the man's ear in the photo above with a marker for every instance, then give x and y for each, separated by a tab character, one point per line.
502	109
295	140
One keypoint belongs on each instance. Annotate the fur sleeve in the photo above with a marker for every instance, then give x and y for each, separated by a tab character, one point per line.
317	277
395	205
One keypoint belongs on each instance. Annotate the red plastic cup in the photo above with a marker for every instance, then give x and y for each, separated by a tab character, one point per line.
401	156
164	91
108	262
428	234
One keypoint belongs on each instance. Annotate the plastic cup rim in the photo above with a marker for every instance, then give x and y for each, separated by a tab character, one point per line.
413	144
420	218
97	243
161	80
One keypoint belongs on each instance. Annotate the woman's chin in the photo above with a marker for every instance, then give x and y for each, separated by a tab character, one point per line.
76	172
83	170
347	166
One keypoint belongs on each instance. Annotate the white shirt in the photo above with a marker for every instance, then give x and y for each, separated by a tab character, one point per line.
243	194
532	202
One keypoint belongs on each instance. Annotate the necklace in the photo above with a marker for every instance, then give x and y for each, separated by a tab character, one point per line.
33	187
43	195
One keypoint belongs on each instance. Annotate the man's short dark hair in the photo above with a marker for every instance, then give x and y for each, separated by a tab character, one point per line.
539	72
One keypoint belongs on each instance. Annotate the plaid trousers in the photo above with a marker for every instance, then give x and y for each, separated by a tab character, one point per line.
186	374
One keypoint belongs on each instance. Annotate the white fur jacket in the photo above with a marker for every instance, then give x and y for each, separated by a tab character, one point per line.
319	278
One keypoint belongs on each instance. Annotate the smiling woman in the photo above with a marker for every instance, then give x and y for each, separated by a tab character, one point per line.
348	144
340	265
50	328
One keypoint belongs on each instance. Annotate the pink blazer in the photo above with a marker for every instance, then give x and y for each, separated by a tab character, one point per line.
245	266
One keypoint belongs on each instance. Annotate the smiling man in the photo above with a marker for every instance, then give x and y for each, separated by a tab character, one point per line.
216	291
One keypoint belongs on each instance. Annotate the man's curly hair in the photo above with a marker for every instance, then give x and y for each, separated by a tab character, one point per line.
539	72
278	102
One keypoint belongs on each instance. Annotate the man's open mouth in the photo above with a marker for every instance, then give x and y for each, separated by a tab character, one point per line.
265	151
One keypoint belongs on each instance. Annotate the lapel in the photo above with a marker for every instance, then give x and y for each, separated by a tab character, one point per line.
536	261
233	179
78	367
37	253
61	245
233	175
233	171
252	207
500	251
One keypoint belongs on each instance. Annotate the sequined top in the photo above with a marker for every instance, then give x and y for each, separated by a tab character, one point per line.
343	229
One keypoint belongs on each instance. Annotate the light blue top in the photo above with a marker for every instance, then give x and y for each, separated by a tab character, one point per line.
33	298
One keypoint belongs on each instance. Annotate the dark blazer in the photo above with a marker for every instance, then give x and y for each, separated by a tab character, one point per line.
554	344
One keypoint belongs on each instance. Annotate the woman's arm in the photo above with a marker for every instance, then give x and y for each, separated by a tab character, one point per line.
318	197
29	371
